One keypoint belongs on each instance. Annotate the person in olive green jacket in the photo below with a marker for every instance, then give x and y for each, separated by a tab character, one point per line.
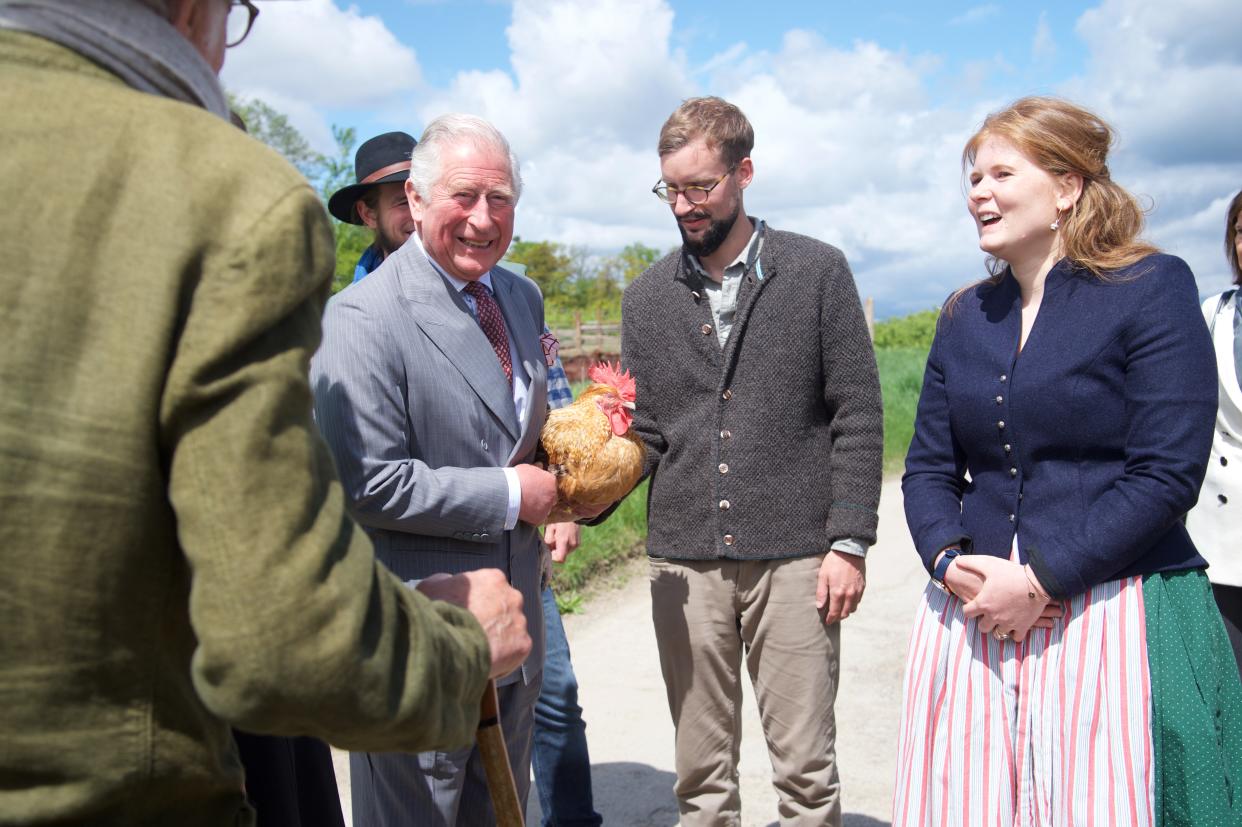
175	554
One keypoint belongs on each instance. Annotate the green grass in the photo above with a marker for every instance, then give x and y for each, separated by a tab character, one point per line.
603	548
901	380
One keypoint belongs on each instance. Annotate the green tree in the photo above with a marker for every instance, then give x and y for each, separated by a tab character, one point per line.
351	239
547	264
634	259
273	128
914	331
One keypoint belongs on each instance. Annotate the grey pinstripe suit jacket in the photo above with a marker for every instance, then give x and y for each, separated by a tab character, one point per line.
419	416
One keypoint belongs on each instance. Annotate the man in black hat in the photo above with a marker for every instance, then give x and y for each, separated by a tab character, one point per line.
378	199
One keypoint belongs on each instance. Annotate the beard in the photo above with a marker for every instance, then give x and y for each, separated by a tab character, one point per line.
387	243
717	232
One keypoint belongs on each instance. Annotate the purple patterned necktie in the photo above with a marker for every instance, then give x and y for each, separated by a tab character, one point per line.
493	324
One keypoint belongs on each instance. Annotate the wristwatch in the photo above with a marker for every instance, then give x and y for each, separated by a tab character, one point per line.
942	567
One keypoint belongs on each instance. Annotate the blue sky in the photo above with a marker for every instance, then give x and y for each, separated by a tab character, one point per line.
860	110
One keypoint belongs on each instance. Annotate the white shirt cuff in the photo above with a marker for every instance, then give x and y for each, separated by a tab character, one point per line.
850	545
515	498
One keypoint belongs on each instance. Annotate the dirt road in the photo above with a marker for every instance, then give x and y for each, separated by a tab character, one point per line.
628	727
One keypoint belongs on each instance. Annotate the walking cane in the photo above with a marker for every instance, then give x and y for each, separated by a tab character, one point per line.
500	783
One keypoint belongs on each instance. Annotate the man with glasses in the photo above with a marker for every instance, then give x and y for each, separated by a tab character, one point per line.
759	404
175	554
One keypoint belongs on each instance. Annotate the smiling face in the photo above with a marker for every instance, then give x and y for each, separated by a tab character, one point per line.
466	220
705	226
391	219
1014	202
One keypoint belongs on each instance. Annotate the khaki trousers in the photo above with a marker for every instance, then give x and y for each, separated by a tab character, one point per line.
708	615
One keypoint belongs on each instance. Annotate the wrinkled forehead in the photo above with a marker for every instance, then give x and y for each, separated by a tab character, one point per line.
478	164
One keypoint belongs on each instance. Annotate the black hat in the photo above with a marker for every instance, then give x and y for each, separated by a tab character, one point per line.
383	159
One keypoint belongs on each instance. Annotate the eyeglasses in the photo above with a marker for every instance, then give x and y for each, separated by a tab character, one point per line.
694	193
238	27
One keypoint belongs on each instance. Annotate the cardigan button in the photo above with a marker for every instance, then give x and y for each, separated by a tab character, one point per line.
724	505
1004	377
1013	472
728	539
1223	499
1001	424
1000	399
1013	518
727	395
1008	448
726	434
723	467
1224	461
706	329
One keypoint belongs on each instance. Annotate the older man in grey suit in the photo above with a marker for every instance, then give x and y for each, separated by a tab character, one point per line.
430	387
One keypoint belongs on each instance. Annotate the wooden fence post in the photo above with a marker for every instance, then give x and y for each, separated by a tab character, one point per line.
869	314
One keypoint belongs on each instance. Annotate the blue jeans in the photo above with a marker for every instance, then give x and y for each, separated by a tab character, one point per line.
560	759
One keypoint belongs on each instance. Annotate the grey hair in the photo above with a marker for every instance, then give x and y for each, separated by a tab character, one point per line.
453	129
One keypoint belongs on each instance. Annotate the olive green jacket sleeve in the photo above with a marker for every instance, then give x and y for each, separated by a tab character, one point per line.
299	628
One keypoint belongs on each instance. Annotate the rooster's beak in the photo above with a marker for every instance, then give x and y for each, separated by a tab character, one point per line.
629	405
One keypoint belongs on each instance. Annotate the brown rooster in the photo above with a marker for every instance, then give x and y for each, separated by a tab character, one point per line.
589	445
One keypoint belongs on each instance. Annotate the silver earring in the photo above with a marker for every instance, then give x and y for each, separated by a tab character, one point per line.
1055	225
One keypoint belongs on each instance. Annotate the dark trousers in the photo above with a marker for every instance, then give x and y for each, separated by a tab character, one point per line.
289	781
1229	599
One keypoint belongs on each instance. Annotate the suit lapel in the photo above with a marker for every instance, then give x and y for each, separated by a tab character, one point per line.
443	316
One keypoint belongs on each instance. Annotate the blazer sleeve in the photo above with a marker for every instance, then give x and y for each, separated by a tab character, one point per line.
299	630
1171	397
359	380
935	476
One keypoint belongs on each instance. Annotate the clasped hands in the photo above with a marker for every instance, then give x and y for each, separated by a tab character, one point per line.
998	593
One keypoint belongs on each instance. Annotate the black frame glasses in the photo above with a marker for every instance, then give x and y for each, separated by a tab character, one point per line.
251	10
694	194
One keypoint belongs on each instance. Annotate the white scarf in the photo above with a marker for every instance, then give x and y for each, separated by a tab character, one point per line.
129	39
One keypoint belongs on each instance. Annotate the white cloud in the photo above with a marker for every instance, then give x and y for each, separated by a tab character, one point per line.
1043	46
1163	75
849	147
974	15
323	56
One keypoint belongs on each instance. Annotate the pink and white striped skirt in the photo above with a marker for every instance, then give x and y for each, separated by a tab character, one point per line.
1051	732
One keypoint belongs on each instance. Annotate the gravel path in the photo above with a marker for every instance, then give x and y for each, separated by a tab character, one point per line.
631	736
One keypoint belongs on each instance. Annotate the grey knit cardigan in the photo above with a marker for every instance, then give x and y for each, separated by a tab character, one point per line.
771	447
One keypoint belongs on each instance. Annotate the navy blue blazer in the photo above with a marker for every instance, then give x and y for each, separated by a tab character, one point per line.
1090	445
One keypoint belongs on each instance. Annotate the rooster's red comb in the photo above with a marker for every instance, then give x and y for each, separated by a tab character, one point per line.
606	373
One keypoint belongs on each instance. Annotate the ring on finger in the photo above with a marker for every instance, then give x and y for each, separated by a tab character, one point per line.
999	635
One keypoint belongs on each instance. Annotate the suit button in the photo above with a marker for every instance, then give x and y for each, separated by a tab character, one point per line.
1008	447
1013	472
1000	399
1013	518
706	329
728	539
727	395
1001	424
726	434
723	467
1004	377
724	505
